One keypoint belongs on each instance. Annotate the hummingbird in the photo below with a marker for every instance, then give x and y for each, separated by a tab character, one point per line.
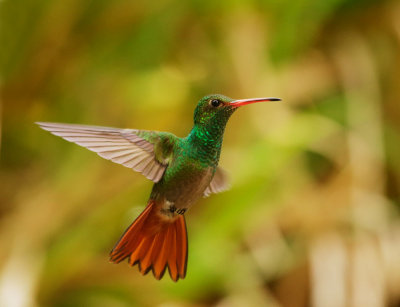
182	169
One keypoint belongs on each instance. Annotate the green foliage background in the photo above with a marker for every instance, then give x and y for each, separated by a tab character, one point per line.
315	179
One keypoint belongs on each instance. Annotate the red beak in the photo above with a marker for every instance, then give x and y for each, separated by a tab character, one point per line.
242	102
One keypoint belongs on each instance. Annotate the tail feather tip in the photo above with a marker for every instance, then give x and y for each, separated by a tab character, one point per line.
167	248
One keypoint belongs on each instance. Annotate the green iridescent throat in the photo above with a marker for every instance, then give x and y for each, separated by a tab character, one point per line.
205	140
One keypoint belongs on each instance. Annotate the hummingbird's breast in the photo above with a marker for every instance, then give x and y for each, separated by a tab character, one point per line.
183	182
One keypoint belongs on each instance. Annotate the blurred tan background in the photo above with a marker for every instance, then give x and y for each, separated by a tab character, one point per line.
312	218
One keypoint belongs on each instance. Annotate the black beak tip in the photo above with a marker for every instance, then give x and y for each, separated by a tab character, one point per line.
275	99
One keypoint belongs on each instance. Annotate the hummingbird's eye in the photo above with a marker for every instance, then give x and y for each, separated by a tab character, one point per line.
215	103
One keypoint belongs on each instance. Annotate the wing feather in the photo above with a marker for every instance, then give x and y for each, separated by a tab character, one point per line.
122	146
218	184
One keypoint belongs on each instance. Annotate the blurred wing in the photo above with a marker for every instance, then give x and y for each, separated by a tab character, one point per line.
122	146
219	183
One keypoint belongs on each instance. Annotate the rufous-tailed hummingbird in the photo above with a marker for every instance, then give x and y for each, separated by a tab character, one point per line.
182	169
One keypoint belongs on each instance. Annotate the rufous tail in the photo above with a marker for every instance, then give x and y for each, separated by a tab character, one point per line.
154	243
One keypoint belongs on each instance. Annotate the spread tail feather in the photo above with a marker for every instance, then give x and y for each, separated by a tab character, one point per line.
154	243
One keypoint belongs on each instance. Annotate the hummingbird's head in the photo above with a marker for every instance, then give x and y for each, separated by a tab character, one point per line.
213	109
216	109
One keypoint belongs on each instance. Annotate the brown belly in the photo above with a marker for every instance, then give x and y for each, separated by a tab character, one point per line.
176	196
189	188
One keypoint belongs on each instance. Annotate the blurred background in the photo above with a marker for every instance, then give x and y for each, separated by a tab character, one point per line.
312	218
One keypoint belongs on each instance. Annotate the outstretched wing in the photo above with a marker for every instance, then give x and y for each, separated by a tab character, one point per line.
136	149
219	183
